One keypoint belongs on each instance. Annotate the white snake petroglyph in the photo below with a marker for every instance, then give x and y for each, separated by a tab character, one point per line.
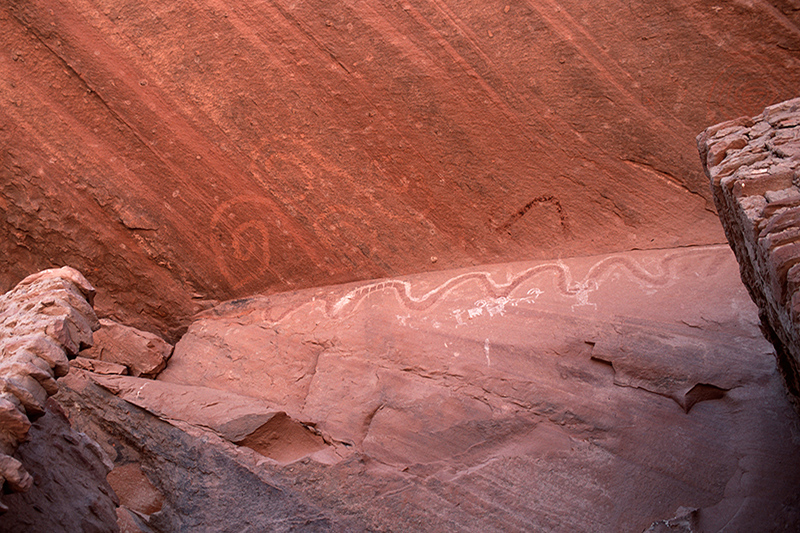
496	295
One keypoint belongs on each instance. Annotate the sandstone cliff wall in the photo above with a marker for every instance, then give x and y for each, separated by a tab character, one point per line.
213	149
754	168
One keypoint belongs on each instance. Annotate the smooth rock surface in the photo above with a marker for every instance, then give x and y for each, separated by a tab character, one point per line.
198	150
754	168
606	393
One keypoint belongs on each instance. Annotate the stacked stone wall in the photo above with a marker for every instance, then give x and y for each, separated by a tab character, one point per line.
45	319
754	167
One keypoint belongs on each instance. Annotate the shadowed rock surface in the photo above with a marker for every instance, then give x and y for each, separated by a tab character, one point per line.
191	482
211	149
70	491
754	167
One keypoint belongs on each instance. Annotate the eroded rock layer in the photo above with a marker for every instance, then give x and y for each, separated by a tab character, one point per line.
754	167
209	149
626	392
47	317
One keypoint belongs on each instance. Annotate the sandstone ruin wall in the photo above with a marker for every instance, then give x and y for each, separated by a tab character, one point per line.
47	317
754	167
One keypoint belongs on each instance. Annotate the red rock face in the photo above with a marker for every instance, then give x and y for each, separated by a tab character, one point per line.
207	149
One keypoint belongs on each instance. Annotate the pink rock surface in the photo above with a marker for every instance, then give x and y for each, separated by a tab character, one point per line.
620	387
142	353
243	420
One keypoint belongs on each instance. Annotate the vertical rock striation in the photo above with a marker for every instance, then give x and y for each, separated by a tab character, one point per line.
45	318
754	168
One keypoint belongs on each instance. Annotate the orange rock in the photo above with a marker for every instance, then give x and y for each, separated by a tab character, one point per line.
134	490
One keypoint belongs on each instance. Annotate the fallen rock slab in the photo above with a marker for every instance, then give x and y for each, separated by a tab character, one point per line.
242	420
142	353
754	167
189	481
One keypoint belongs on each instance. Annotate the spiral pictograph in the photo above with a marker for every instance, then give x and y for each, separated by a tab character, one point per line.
241	229
736	93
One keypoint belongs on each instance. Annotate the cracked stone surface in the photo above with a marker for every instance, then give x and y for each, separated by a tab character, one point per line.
635	390
754	167
139	353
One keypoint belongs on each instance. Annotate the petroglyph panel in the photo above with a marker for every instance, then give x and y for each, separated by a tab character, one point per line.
544	371
575	283
524	322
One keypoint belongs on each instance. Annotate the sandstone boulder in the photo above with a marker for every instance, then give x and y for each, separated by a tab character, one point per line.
143	354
